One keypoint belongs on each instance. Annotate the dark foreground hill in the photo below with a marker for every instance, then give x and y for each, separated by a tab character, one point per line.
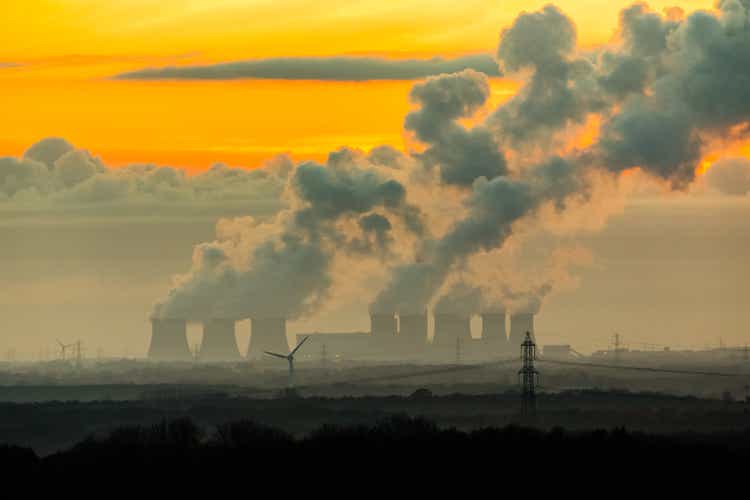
392	447
50	426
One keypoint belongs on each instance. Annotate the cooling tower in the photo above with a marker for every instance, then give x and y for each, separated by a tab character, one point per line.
449	327
493	328
383	325
267	334
169	340
413	329
219	342
520	324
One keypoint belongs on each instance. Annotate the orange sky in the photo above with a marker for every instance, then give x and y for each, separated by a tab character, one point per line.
68	48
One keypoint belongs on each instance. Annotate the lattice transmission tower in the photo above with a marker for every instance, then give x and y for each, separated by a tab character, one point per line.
529	377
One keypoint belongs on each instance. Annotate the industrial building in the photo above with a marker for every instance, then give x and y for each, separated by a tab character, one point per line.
391	337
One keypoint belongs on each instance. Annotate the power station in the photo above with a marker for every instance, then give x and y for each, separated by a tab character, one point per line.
391	337
169	340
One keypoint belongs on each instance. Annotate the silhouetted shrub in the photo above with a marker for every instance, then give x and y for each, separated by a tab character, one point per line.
250	434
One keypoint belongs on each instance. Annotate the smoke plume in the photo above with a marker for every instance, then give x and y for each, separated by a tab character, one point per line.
481	185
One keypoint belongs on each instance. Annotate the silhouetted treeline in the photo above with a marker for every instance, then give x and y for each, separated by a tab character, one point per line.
399	443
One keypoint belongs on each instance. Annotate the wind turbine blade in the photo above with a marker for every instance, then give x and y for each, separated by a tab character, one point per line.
276	354
299	345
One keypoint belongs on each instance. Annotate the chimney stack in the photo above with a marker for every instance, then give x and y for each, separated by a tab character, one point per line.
169	340
267	334
219	342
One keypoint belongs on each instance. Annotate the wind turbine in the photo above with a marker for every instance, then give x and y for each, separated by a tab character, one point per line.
64	349
290	358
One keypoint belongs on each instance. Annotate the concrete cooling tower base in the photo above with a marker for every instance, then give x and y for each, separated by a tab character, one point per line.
383	325
493	330
267	334
519	325
169	340
219	342
412	332
451	327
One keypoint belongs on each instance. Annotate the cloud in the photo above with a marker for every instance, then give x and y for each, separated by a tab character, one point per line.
53	175
562	89
460	298
286	269
48	150
462	155
730	176
320	68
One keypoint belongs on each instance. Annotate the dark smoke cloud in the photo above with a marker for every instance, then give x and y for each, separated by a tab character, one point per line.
562	89
700	89
321	68
461	154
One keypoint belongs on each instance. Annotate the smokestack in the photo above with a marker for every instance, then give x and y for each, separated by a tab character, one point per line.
520	323
169	340
268	334
383	325
449	327
493	328
413	329
219	342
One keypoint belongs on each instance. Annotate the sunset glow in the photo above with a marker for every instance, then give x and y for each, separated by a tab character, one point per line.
57	59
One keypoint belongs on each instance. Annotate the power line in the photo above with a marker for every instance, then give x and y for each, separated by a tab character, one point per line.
645	368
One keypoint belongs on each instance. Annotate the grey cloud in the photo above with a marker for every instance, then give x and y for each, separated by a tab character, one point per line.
462	155
48	151
75	167
701	87
563	88
662	140
644	33
18	176
321	68
493	208
527	301
461	298
386	156
53	175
